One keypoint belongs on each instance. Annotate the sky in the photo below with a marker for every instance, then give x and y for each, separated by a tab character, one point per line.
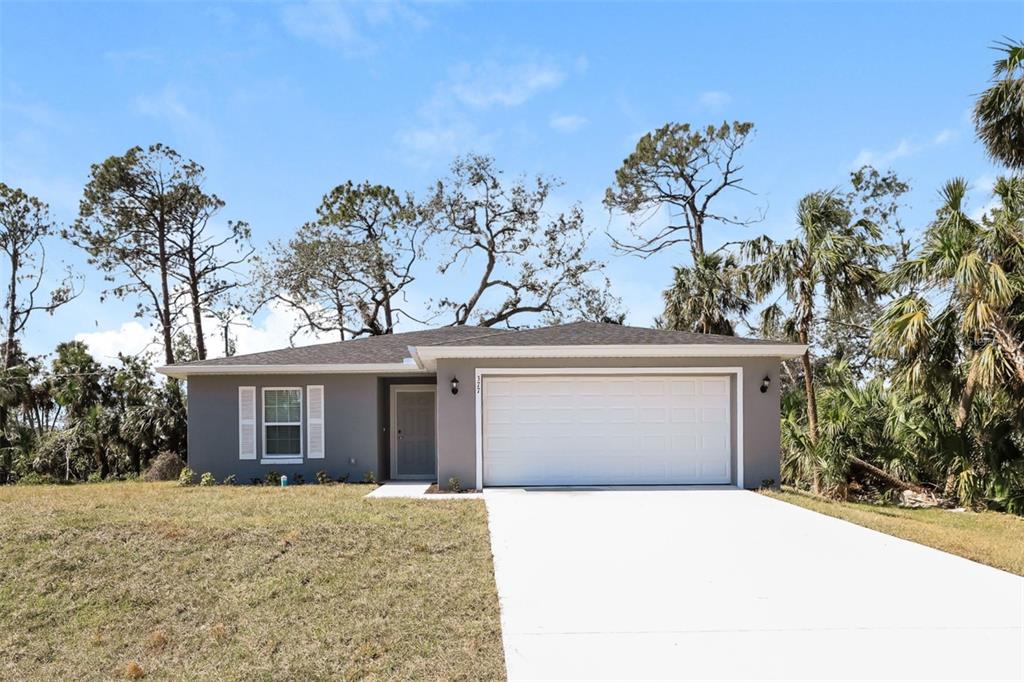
282	102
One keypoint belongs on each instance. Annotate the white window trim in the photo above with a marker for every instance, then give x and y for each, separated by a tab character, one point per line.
279	459
481	372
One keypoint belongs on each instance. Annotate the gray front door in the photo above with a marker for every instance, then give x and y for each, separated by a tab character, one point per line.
413	445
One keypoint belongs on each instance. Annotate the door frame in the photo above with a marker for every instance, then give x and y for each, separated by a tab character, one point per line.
482	372
394	390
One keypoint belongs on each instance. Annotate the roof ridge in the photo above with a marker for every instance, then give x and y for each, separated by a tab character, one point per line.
488	332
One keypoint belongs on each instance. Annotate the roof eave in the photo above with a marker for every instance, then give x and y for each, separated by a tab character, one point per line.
427	356
185	371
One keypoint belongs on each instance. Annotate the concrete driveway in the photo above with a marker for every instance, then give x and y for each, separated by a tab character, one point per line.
727	584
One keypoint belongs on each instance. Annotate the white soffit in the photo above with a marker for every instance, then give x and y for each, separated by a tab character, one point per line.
427	356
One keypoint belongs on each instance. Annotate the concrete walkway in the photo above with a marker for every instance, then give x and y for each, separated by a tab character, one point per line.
728	584
417	490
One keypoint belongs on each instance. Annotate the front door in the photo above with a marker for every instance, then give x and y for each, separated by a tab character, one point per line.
413	445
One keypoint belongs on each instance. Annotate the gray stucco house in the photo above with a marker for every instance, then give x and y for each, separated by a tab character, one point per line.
577	404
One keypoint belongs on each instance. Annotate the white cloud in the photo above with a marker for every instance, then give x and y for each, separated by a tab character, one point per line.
981	194
131	338
567	123
125	58
490	84
903	149
325	23
714	99
346	26
270	333
166	104
446	122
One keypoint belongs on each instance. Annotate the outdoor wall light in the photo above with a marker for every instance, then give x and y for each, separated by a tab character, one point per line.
455	385
764	384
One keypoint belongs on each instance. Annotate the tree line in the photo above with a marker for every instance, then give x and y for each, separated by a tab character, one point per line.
912	384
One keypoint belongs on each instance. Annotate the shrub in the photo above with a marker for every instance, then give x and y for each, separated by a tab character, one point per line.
297	479
207	479
370	477
230	480
133	671
166	466
257	481
273	478
94	477
186	477
35	478
323	478
454	485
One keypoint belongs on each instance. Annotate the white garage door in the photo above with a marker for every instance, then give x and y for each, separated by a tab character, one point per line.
606	430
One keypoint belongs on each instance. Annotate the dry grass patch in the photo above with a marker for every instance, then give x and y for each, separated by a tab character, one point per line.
989	537
307	582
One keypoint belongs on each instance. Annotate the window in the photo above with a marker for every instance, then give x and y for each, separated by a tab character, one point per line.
282	424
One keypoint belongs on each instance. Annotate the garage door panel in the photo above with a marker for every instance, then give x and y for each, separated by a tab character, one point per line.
589	430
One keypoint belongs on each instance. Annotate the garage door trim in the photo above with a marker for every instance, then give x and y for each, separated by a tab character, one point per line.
481	372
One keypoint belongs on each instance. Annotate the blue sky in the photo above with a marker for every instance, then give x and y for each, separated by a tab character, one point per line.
281	102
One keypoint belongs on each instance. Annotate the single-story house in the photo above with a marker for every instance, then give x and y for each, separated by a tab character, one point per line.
585	403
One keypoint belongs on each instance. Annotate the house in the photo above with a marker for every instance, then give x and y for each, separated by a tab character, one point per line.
585	403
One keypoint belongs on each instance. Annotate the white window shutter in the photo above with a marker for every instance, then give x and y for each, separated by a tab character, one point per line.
246	422
315	421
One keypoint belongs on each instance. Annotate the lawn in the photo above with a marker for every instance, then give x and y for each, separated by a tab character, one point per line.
310	582
988	537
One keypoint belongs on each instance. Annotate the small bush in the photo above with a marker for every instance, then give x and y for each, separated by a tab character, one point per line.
166	466
257	481
273	478
454	485
207	479
94	477
186	477
133	671
230	480
323	478
370	477
35	478
297	479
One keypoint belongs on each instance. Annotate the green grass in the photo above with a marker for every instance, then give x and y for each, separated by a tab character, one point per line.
988	537
311	582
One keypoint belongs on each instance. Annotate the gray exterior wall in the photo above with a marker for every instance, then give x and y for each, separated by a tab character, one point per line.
456	415
353	423
356	420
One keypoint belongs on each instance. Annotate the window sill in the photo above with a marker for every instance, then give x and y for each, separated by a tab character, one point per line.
282	460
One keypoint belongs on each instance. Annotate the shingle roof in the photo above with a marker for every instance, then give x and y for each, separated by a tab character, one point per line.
389	348
393	348
599	334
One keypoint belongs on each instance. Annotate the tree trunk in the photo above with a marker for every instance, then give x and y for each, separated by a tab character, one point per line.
6	460
165	292
197	318
963	410
1011	348
885	476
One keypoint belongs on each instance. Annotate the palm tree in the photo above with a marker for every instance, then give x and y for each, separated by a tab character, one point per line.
828	269
833	262
956	332
999	111
708	296
974	269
